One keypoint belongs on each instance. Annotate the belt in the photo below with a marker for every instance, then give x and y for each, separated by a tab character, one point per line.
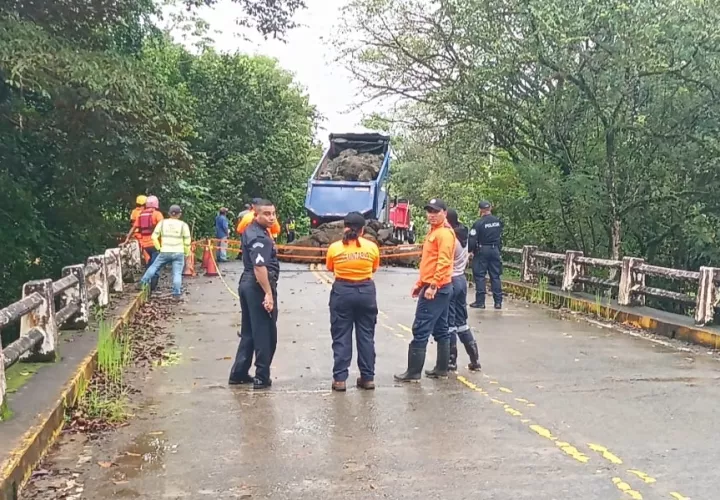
493	246
344	280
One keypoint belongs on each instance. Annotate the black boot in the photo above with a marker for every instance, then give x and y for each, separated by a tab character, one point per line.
416	360
472	350
452	365
441	364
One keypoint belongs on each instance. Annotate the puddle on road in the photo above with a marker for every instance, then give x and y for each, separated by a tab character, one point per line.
145	455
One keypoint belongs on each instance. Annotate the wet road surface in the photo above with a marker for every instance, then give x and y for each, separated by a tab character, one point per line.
562	410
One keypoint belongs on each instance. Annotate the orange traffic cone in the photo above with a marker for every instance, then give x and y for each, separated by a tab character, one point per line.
189	269
211	269
206	256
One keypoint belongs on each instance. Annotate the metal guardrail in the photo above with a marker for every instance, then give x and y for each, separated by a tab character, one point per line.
48	306
631	282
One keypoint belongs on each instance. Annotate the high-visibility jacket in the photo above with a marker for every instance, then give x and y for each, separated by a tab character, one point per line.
145	225
247	219
172	236
438	255
133	217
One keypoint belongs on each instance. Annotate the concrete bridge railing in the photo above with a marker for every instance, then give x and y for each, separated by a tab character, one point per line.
572	266
48	306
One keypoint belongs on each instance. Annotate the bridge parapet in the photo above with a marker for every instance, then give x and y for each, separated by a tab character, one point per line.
48	306
570	268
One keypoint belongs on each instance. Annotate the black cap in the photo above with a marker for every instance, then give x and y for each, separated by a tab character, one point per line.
354	219
484	204
452	217
255	201
175	210
436	204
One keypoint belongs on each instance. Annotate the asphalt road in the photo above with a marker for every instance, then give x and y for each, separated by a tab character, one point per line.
562	410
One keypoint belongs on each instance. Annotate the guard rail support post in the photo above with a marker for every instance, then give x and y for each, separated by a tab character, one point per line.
630	278
707	296
528	264
114	268
78	294
42	318
99	279
573	269
131	259
3	384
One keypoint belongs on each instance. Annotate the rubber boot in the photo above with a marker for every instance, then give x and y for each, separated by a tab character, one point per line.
441	364
452	365
416	360
472	350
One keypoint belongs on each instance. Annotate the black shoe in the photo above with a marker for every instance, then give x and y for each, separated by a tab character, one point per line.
498	306
477	305
441	364
452	364
472	349
247	379
259	384
416	360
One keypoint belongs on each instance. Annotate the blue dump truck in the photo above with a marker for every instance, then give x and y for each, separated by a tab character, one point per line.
351	177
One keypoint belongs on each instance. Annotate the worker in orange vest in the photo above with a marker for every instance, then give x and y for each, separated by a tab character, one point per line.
144	226
140	206
249	217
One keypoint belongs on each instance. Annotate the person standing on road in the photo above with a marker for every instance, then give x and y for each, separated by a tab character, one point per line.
222	232
485	244
353	302
258	300
143	228
248	218
458	315
290	229
172	239
433	291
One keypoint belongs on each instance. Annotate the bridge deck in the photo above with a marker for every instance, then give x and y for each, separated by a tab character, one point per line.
558	406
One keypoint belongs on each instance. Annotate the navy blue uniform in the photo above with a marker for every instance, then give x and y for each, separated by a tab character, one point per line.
258	331
485	243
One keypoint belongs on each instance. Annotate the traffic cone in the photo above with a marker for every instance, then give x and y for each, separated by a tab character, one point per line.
206	256
211	269
189	269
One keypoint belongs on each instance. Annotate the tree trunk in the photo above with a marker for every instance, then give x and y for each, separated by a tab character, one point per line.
615	223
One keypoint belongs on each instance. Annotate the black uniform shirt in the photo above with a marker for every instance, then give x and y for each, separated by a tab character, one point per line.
487	230
259	250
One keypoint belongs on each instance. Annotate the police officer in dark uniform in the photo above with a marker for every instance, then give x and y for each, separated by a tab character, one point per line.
258	300
485	244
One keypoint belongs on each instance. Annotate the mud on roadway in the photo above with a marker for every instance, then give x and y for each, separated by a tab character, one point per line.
562	410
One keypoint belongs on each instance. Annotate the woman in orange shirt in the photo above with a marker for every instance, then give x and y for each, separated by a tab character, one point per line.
353	302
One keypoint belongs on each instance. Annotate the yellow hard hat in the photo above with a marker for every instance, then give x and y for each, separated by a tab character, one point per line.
141	199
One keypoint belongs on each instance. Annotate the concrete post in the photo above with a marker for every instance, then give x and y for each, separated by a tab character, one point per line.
114	268
630	278
42	318
77	293
99	279
528	264
572	270
131	256
707	296
3	384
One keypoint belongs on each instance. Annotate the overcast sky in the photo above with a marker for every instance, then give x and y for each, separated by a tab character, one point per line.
305	54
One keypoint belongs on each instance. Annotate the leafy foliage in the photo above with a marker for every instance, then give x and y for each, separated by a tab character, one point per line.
98	105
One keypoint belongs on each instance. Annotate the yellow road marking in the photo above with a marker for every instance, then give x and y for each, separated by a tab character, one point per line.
521	400
573	452
494	382
647	479
399	335
678	496
388	327
498	401
512	411
383	314
505	389
627	489
607	455
542	431
403	327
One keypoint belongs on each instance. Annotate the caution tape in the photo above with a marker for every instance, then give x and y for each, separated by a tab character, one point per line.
212	256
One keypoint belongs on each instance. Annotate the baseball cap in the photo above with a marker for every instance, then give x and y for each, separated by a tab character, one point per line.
175	210
484	204
354	219
435	204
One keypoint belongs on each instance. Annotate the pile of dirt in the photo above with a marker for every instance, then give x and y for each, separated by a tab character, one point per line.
326	234
352	166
